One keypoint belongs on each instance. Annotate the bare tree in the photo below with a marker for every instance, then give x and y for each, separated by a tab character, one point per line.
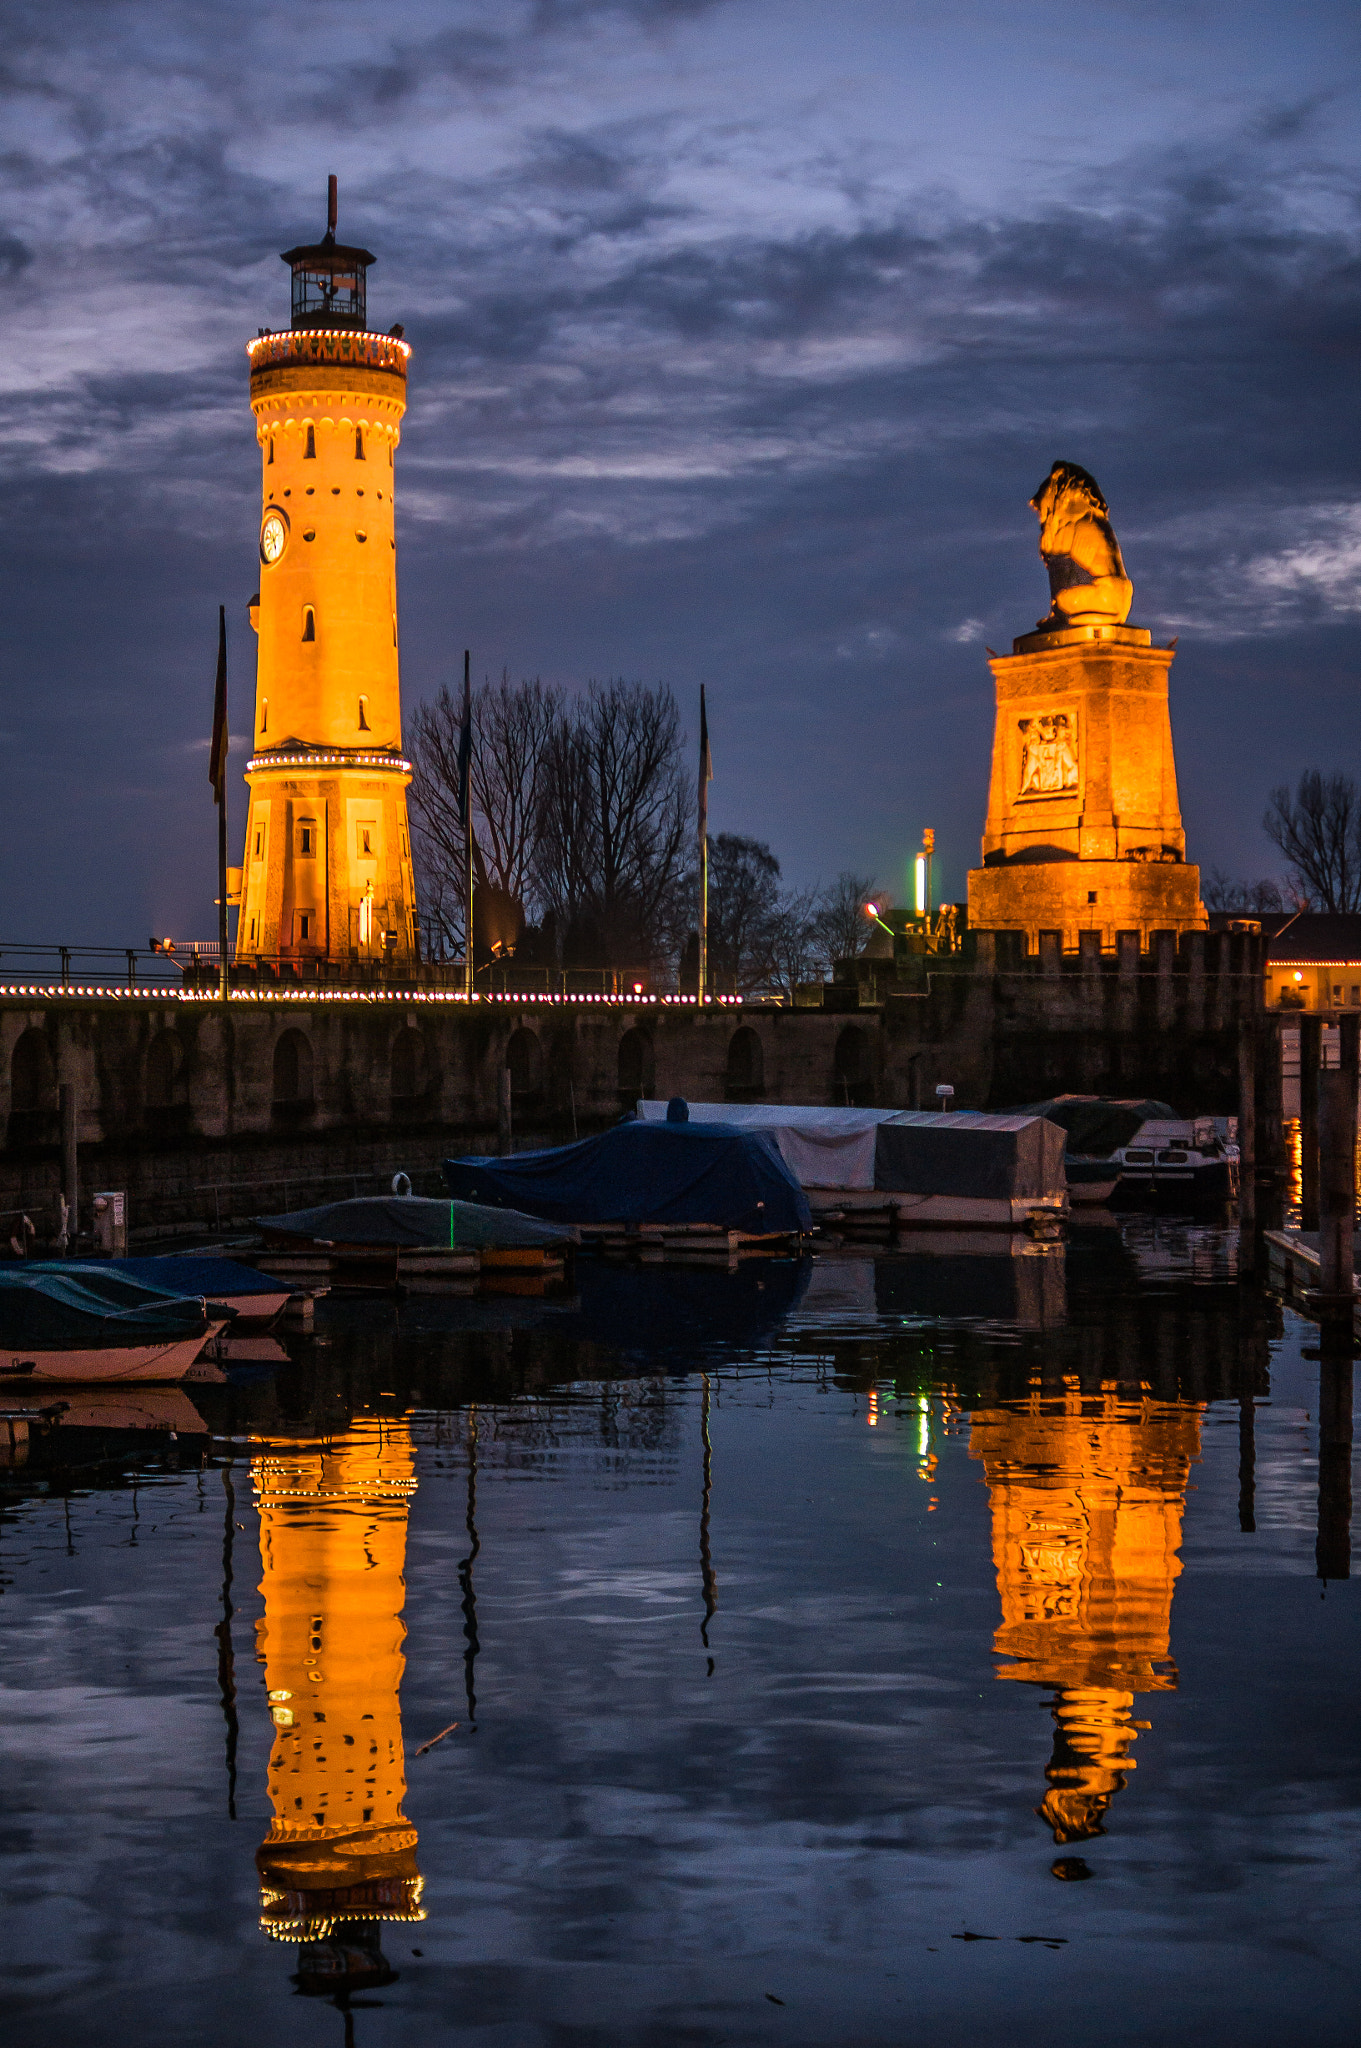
512	727
437	835
1254	899
614	822
843	928
744	909
794	942
1319	832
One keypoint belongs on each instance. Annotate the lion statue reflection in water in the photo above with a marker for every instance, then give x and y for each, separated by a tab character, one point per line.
1087	581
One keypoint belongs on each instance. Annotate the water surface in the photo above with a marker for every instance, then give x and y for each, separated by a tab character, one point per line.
931	1648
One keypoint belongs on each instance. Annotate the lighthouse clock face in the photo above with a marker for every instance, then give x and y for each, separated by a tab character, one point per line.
273	536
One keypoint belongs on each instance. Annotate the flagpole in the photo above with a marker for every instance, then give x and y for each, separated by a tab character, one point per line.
466	799
706	770
219	764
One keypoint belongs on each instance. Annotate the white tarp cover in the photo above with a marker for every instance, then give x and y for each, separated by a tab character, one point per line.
823	1148
838	1148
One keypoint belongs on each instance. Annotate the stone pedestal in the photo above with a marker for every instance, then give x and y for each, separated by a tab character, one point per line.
1084	828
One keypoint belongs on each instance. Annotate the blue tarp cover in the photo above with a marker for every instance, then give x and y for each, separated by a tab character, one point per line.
191	1273
645	1173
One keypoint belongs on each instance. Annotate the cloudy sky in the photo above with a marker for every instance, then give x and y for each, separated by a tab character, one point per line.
743	330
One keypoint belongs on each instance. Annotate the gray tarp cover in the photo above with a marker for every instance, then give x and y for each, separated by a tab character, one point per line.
1097	1124
414	1221
959	1152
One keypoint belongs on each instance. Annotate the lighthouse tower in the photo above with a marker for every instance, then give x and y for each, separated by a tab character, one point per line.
327	875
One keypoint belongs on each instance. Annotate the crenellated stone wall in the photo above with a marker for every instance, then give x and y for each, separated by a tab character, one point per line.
205	1114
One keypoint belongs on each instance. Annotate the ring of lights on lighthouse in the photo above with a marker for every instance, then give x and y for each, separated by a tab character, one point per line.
273	535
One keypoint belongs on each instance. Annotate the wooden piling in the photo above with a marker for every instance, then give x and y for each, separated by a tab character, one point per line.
1337	1091
503	1124
1311	1047
70	1166
1247	1130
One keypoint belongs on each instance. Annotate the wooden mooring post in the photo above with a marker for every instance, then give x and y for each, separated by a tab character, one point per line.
1311	1047
1337	1094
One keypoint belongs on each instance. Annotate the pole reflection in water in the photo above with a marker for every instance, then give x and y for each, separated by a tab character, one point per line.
340	1855
708	1577
1087	1496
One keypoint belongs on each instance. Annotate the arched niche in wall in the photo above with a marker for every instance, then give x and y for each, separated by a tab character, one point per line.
637	1068
853	1068
293	1072
524	1057
746	1072
165	1072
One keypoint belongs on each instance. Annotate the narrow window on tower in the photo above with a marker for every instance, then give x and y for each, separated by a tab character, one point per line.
271	449
304	926
264	716
364	725
305	838
309	623
259	837
309	453
359	455
365	841
253	927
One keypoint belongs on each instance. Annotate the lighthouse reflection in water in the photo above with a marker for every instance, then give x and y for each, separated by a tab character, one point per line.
340	1855
1087	1494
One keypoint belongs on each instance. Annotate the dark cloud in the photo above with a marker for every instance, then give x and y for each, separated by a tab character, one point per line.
781	448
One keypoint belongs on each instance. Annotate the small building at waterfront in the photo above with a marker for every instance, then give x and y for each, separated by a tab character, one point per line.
1313	959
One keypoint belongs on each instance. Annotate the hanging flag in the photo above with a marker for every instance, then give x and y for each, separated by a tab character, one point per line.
217	759
706	768
465	746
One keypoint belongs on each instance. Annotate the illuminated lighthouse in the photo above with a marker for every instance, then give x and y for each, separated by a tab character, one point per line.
327	870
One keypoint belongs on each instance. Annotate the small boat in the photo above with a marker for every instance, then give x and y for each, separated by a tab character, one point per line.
380	1242
1137	1148
65	1320
1180	1163
256	1299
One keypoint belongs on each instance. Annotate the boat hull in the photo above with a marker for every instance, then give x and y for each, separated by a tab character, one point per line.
109	1365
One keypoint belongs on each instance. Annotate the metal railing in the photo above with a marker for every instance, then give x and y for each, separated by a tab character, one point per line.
88	966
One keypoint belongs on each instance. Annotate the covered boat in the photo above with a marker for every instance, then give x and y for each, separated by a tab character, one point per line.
1138	1146
703	1173
410	1222
256	1299
963	1168
74	1320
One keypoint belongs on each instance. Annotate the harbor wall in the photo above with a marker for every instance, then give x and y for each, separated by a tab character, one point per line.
209	1113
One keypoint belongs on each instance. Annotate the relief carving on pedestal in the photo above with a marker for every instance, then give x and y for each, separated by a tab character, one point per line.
1048	754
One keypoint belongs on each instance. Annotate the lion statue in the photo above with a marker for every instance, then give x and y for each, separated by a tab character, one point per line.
1087	581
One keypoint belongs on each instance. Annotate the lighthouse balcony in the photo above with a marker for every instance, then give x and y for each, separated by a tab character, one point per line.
321	347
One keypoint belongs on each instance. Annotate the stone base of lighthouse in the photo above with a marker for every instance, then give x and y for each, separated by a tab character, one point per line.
1084	828
327	872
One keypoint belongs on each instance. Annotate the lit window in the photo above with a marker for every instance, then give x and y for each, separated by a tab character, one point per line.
310	452
309	623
